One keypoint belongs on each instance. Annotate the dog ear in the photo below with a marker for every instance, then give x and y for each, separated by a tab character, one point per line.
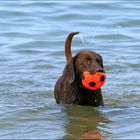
70	71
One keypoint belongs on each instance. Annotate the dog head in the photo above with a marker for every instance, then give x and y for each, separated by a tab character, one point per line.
89	61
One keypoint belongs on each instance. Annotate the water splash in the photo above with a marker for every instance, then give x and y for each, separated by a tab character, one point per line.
81	38
95	32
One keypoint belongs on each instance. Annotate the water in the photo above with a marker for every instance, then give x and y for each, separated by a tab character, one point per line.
32	37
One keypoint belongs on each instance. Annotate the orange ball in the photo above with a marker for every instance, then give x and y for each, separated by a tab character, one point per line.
93	81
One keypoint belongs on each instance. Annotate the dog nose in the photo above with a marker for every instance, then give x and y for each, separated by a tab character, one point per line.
100	70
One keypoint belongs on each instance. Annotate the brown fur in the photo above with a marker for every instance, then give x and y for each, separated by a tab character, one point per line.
68	88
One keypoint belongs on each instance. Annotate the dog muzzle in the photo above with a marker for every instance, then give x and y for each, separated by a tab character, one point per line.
93	81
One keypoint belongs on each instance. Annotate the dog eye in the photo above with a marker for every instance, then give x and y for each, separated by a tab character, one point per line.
88	60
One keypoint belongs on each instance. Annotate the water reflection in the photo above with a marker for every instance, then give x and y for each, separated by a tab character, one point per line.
85	122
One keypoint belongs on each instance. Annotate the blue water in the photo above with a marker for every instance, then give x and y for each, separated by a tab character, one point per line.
32	37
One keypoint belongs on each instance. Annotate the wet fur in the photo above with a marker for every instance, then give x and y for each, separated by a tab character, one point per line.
68	88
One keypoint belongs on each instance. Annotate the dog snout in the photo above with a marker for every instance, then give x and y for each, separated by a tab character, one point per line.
97	70
100	70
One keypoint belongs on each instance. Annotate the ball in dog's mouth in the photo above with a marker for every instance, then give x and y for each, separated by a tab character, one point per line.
93	81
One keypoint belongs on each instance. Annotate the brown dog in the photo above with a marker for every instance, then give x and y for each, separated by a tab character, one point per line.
69	88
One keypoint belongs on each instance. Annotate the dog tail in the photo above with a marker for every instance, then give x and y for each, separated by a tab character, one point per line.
68	46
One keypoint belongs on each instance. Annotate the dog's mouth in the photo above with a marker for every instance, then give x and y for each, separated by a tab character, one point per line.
93	81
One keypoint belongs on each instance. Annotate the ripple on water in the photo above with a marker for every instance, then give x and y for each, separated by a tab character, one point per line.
32	39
